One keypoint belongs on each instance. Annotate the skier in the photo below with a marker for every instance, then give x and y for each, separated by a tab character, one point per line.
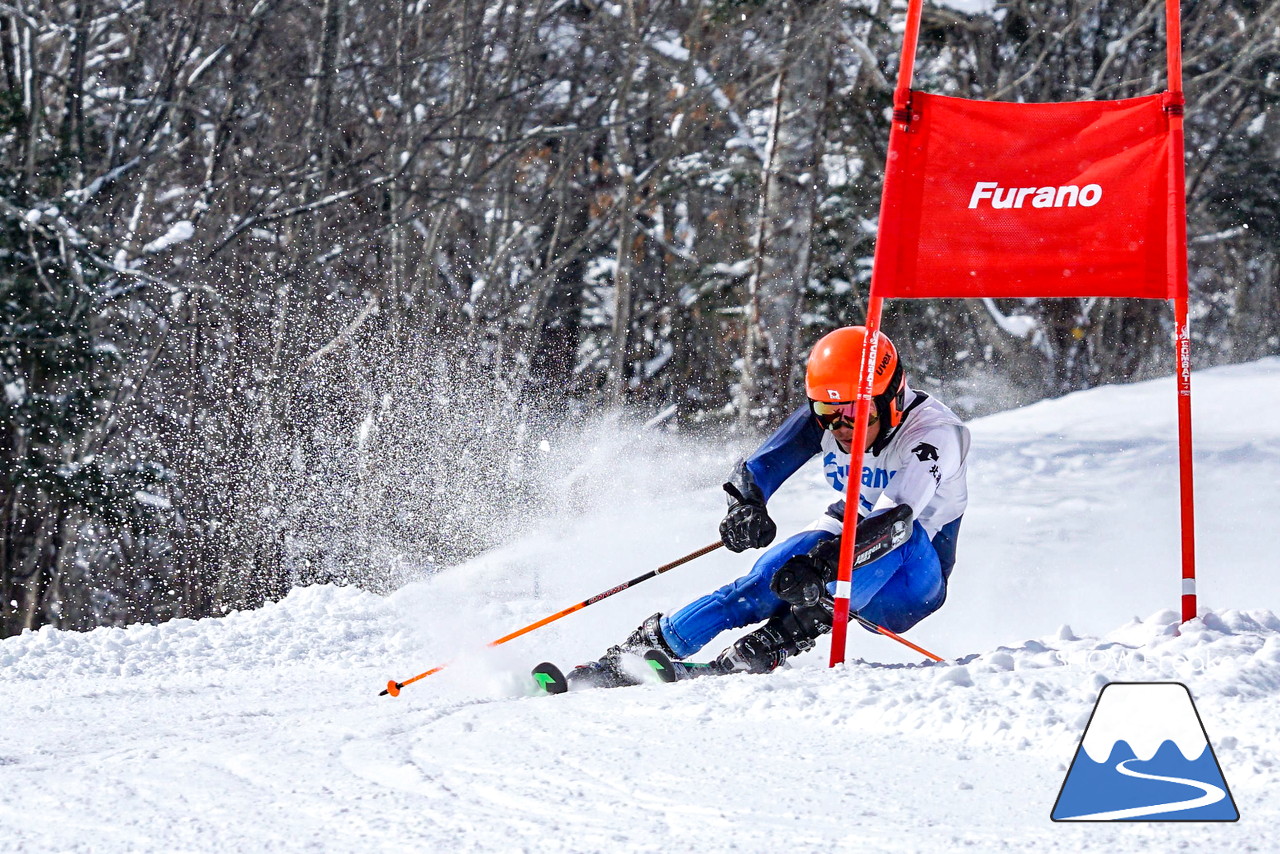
913	474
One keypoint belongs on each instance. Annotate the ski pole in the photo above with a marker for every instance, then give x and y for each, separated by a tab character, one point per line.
899	638
393	687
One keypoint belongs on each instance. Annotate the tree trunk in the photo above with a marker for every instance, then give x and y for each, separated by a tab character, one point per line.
784	228
625	158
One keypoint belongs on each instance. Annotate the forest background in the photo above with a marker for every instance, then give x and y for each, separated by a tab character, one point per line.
298	292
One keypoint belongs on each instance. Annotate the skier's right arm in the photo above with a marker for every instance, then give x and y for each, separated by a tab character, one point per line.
747	524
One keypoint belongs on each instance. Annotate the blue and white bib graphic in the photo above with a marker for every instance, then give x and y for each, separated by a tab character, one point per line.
1145	757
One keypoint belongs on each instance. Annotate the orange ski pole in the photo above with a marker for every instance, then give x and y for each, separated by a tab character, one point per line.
393	687
899	638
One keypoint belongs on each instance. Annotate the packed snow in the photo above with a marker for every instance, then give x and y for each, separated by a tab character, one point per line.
264	731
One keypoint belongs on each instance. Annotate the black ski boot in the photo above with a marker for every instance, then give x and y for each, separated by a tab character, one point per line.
768	647
648	635
624	663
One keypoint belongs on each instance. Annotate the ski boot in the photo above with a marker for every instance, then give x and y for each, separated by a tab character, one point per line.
625	663
768	647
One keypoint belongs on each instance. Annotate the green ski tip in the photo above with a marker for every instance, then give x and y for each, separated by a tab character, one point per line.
549	679
662	666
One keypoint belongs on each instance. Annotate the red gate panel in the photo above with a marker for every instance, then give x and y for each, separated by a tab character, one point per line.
986	198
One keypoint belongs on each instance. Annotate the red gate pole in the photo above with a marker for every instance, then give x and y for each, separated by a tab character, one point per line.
1186	485
853	481
907	64
888	221
1177	265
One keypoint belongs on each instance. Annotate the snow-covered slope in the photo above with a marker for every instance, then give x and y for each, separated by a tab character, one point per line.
264	731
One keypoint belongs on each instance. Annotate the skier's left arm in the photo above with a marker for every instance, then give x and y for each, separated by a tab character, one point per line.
747	524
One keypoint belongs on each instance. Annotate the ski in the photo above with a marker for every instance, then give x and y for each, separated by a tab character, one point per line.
652	667
548	679
696	670
663	667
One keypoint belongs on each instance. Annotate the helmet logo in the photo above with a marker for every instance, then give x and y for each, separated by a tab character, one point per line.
833	394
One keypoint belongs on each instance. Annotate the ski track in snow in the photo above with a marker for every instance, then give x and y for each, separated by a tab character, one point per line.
263	731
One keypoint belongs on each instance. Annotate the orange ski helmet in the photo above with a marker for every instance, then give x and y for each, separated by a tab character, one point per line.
832	372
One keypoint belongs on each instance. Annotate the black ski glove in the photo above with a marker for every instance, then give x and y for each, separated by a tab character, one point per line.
747	524
802	580
825	557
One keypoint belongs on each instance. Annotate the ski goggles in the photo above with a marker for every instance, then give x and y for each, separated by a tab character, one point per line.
833	416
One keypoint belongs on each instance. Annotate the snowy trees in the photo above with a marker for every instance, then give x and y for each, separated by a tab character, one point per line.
780	270
286	283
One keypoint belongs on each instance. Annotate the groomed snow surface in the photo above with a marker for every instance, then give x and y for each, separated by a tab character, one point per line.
264	731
